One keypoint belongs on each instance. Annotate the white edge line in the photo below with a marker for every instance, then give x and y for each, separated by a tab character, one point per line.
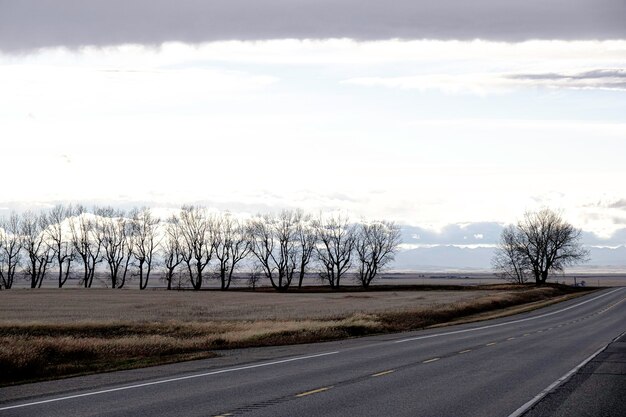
520	411
505	323
164	381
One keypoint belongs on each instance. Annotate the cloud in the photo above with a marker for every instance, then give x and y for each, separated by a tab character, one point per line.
448	83
487	234
482	233
31	24
483	83
606	79
619	204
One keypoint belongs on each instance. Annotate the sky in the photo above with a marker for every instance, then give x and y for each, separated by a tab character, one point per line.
431	114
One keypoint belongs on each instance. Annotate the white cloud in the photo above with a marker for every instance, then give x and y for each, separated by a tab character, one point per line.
250	125
484	83
537	54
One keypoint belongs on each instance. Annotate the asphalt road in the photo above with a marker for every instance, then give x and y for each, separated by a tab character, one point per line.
598	389
490	368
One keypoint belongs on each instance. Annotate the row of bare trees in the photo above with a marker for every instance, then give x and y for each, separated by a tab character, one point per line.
195	243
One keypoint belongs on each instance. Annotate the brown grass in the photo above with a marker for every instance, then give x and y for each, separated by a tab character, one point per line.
62	306
54	346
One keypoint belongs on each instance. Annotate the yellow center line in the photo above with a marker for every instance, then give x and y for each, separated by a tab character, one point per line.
431	360
384	372
465	351
315	391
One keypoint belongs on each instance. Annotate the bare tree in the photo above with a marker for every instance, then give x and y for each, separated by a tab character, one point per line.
335	247
10	249
88	247
376	244
40	253
509	261
273	242
307	239
171	249
59	237
231	247
114	234
196	230
543	243
144	235
256	273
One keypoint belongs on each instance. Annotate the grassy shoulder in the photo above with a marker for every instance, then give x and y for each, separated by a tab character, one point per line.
31	351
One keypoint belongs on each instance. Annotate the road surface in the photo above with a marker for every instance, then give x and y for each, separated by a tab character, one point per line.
492	368
597	389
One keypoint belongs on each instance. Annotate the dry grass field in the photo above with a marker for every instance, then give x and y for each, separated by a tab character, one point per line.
51	333
54	306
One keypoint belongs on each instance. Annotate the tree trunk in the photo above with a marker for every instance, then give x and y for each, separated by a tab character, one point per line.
61	280
223	284
301	278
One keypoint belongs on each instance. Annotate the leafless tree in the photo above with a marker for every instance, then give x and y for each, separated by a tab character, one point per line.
144	236
59	237
256	273
114	234
171	249
273	242
544	243
334	250
231	246
306	235
376	244
509	261
40	253
84	230
10	249
196	230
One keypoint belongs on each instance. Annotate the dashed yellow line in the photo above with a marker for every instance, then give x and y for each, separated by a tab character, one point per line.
431	360
384	373
315	391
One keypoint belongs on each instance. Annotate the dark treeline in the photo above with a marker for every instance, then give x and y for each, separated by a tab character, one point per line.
190	247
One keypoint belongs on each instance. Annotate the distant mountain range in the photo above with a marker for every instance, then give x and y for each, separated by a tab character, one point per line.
451	257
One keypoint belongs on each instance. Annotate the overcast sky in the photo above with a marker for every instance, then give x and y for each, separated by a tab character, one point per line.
27	24
428	113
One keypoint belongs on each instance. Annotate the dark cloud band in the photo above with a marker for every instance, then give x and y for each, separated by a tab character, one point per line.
30	24
610	79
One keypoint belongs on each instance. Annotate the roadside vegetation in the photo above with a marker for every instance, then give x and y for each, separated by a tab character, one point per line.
58	345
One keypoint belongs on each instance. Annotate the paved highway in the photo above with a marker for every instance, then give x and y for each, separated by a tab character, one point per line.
493	368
